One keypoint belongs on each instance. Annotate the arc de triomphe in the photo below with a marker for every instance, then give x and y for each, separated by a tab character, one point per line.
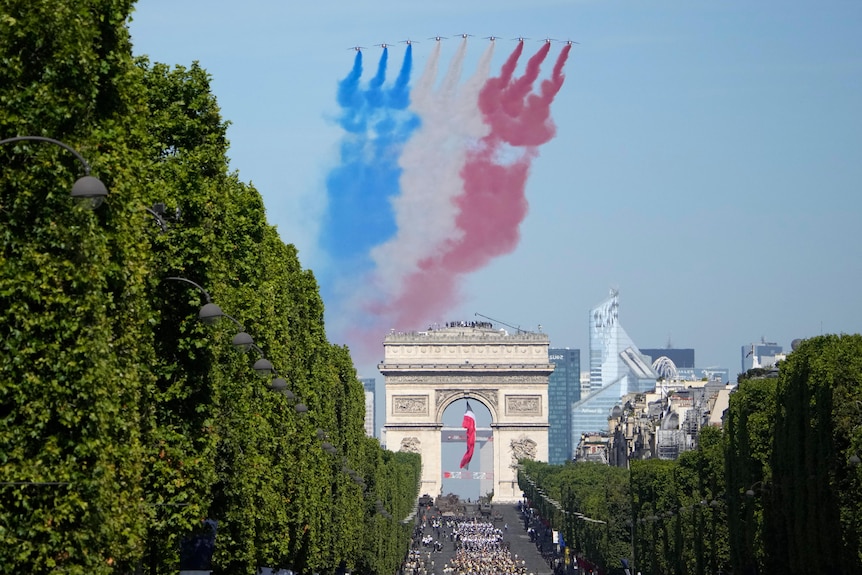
426	371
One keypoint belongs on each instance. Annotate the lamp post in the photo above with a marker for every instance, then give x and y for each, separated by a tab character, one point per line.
631	525
210	312
88	190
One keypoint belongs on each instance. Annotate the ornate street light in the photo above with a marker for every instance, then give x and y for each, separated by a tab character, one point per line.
263	367
242	341
279	384
88	191
210	312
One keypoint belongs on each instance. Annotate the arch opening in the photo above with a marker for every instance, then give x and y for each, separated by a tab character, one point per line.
477	478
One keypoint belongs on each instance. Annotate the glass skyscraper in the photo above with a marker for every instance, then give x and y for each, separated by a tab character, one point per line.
564	391
761	354
369	384
681	357
617	368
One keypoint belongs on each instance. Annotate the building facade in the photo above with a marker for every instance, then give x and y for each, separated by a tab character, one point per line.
369	384
681	357
564	391
617	368
678	365
763	354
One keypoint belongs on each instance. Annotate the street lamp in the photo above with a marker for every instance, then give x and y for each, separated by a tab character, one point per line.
263	367
242	341
279	384
210	312
88	191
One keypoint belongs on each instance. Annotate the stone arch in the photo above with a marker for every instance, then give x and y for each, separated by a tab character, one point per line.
427	371
446	397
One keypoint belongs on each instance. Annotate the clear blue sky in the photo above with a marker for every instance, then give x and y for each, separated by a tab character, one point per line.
707	163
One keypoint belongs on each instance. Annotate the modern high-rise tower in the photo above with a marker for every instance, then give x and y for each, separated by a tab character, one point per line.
564	391
681	357
763	354
369	384
617	368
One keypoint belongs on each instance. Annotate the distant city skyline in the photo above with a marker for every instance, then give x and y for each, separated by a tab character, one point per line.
705	159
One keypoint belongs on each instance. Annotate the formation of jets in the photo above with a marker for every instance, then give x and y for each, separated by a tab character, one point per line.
464	36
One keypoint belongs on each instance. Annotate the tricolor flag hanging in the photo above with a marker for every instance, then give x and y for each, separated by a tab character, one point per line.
469	424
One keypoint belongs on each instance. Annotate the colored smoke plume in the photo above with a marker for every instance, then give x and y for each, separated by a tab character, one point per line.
376	123
493	203
416	206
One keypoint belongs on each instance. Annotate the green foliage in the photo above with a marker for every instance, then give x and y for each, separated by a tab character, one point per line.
814	492
749	424
598	492
779	489
123	420
76	338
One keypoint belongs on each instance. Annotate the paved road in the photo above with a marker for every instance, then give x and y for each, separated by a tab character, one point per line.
519	541
520	545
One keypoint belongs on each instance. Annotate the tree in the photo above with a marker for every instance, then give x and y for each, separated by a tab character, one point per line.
814	484
596	506
73	315
125	421
749	431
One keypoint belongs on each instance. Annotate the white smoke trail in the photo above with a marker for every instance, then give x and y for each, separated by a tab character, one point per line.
432	161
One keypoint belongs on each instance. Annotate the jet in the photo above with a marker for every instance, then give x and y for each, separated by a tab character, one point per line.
357	48
520	38
549	40
438	38
465	35
570	42
491	38
408	41
384	45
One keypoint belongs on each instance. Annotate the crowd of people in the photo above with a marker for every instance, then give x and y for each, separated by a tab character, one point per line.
474	546
485	562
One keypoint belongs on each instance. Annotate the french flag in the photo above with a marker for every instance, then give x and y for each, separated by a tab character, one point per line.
469	424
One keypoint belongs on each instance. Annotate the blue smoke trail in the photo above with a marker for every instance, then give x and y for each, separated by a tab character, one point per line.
377	123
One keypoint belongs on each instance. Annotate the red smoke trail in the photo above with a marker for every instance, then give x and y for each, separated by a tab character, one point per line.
493	203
